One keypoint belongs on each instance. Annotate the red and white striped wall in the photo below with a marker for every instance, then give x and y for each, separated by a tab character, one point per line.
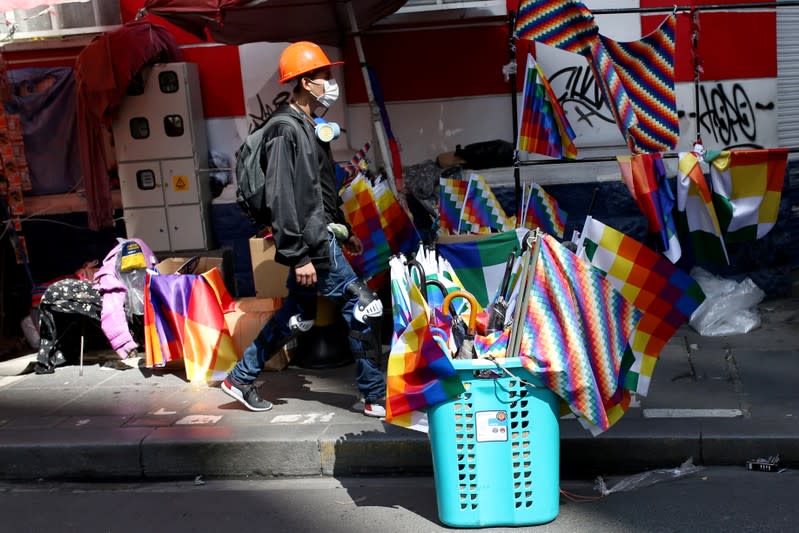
444	86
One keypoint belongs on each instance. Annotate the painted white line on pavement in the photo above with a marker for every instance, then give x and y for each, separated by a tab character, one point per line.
692	413
198	419
307	418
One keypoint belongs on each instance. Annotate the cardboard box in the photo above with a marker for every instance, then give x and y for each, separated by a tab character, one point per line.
247	320
269	277
170	265
256	305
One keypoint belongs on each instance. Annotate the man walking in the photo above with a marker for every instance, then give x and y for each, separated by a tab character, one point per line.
309	230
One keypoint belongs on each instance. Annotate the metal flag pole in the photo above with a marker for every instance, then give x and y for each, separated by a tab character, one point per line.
514	108
697	64
377	123
532	244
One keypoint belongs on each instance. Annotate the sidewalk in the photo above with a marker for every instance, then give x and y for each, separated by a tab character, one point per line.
718	400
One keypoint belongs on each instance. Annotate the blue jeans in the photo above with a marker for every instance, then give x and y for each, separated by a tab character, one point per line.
331	283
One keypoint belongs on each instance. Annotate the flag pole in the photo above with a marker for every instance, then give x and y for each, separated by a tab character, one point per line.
514	108
697	64
581	239
377	121
532	241
465	198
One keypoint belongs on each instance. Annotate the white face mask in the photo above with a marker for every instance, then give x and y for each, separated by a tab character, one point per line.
330	94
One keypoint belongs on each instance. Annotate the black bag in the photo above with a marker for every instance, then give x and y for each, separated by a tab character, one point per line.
250	177
487	154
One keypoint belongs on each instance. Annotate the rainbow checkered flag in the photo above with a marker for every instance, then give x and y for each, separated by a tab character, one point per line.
397	226
363	216
637	80
482	212
542	211
184	319
492	345
379	221
543	127
666	295
575	332
420	373
645	178
452	194
565	24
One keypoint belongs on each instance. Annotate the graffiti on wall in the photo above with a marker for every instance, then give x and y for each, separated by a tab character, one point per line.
258	117
732	114
728	114
580	94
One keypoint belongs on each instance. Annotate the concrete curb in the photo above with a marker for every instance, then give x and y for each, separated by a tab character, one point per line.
347	450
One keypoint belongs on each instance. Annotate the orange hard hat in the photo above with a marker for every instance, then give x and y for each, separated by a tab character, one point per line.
301	58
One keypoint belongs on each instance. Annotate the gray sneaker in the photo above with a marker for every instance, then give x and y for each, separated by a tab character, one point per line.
246	394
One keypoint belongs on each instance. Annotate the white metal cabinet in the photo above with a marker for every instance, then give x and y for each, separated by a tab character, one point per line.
186	227
150	225
162	154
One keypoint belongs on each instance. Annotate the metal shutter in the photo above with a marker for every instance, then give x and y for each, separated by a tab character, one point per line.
788	76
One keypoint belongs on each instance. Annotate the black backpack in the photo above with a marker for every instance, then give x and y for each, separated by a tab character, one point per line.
250	178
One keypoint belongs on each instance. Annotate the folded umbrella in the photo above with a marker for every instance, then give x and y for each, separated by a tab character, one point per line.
499	308
466	350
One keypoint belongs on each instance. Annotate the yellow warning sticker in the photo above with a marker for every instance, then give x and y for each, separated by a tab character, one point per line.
180	183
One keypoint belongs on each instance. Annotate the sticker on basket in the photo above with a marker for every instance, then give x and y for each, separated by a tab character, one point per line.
491	426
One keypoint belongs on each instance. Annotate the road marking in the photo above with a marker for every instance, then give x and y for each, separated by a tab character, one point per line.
198	419
692	413
308	418
163	411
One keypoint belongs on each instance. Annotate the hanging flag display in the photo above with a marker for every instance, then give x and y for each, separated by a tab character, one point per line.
645	177
379	221
452	193
637	80
543	127
419	373
481	212
397	226
565	24
575	332
666	295
747	186
696	217
542	211
184	319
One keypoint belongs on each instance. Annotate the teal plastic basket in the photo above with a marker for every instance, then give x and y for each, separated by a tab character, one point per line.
496	449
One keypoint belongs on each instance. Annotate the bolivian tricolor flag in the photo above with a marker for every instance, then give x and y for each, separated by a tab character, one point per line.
747	186
184	318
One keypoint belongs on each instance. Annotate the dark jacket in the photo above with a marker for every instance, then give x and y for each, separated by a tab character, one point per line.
300	189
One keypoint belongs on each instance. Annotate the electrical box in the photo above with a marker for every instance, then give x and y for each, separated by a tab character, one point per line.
162	155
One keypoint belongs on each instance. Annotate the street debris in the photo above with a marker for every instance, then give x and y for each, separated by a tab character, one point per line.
645	479
769	464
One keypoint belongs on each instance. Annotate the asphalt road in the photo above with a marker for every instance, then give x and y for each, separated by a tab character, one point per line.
708	501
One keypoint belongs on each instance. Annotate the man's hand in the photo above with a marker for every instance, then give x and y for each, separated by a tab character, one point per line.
306	275
354	245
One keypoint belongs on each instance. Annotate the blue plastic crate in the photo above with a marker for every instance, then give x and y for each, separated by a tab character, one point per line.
496	449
